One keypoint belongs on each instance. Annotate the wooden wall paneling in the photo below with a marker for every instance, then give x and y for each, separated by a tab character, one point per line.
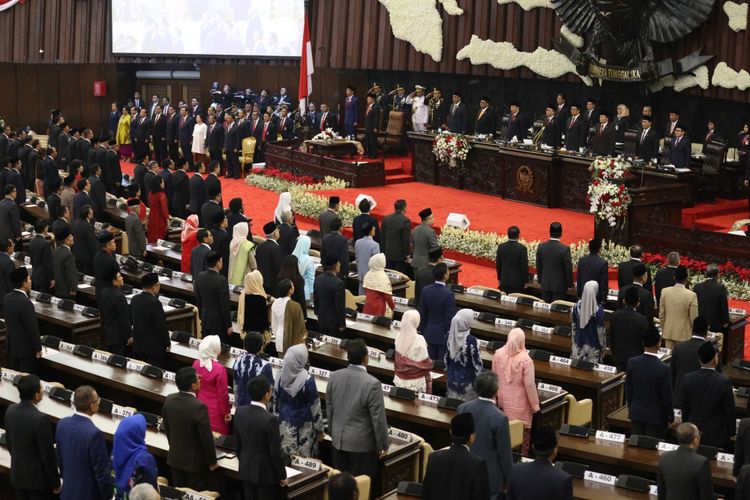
27	95
98	31
8	100
20	14
6	28
66	38
48	83
36	18
51	31
70	94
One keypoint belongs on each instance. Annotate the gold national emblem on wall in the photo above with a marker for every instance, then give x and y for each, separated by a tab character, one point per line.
525	179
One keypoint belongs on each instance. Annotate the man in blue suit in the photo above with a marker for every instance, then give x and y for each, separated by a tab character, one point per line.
648	389
540	478
351	112
679	149
436	308
493	434
82	452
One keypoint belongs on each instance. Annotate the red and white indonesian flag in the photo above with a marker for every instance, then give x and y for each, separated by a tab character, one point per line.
306	70
7	4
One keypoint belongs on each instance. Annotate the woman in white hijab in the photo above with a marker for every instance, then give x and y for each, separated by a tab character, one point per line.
213	391
241	254
297	404
412	364
588	326
284	205
378	291
462	360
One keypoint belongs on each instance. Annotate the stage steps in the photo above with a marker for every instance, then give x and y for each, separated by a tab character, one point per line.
395	172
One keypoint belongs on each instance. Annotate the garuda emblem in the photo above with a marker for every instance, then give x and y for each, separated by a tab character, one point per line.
619	36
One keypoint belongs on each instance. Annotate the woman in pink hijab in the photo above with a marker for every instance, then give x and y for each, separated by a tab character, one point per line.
517	395
189	240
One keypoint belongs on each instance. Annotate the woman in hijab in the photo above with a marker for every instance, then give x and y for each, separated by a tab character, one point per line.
241	254
285	204
305	263
252	309
462	360
378	291
287	320
412	364
298	405
132	462
588	326
290	271
213	376
517	395
189	240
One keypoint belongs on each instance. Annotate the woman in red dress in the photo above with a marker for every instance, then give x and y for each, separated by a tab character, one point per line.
159	214
189	239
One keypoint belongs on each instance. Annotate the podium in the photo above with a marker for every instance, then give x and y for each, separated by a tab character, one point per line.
656	204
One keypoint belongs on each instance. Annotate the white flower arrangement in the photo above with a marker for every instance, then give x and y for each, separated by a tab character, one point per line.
308	204
450	149
609	200
420	23
726	77
328	135
529	4
697	77
736	14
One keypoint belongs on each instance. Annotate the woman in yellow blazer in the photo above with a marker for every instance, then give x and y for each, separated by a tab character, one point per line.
123	134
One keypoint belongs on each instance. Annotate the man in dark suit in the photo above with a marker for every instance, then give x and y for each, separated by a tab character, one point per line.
212	294
424	276
159	134
24	346
85	244
325	119
82	197
268	257
10	216
683	473
648	389
576	130
552	128
117	332
685	355
664	277
517	126
396	241
221	240
329	299
336	244
150	335
327	215
28	435
351	113
540	478
286	124
185	134
42	272
4	142
512	263
741	445
712	300
6	268
32	167
492	436
180	184
679	149
172	133
63	145
288	234
436	310
232	146
112	169
707	400
5	166
192	452
625	269
211	208
592	267
626	330
199	253
372	125
15	179
458	115
592	114
266	134
104	262
648	140
197	188
553	266
213	184
486	120
64	265
457	472
604	137
562	108
262	470
23	155
77	437
215	138
364	216
50	173
98	192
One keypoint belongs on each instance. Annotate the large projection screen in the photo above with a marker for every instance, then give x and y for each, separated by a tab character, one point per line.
215	28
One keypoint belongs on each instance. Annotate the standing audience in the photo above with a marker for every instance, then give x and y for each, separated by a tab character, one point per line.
412	364
462	360
213	387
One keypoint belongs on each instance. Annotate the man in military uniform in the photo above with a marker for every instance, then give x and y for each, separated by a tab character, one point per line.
419	110
438	109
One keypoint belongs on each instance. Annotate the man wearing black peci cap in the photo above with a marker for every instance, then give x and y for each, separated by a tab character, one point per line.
24	345
212	294
112	172
627	328
150	335
685	354
372	125
117	332
540	478
552	128
6	268
85	243
707	400
456	472
327	215
648	140
486	119
42	273
576	129
268	257
679	148
364	207
516	123
134	229
604	137
425	276
336	244
329	299
423	240
553	265
210	209
64	264
104	262
458	114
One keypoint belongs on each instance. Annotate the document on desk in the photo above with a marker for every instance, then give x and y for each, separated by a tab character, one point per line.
290	473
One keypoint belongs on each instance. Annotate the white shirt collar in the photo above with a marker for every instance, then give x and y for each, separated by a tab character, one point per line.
361	367
206	245
188	392
554	239
488	400
84	415
440	283
652	354
697	337
635	258
19	290
258	404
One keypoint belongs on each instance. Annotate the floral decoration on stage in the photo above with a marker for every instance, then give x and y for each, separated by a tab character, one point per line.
451	149
328	135
608	197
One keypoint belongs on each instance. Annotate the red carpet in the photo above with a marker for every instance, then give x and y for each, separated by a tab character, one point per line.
717	216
